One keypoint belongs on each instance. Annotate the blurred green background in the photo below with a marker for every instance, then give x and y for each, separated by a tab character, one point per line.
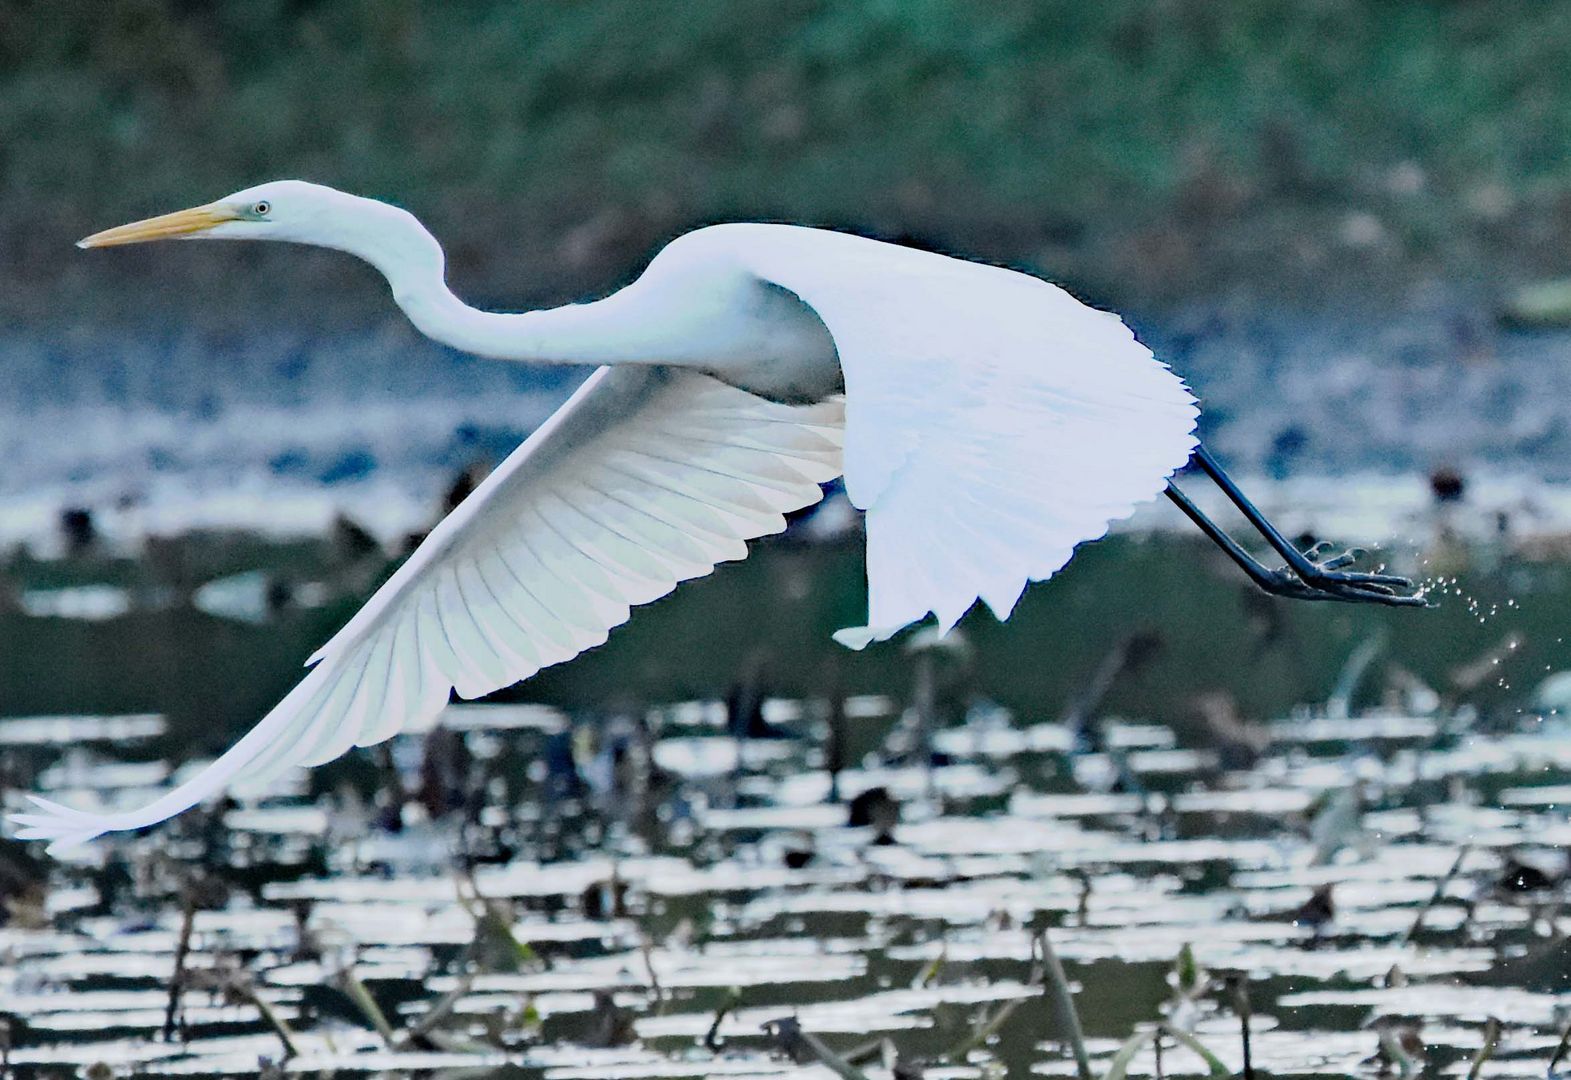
1144	151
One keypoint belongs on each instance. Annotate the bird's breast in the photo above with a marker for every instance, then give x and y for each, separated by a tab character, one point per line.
772	344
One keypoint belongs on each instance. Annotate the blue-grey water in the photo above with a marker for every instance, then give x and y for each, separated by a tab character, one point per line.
202	428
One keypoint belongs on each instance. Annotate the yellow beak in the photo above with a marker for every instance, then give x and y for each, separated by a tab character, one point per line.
164	227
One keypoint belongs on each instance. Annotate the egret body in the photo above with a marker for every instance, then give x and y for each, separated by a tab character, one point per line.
985	421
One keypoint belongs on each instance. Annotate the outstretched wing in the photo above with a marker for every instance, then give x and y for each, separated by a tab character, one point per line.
993	422
648	476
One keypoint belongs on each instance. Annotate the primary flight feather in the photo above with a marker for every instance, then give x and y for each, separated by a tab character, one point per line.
986	422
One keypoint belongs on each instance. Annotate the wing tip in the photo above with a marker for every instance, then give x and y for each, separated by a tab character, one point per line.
64	829
857	638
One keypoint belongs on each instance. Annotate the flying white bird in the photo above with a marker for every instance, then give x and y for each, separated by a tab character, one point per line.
985	421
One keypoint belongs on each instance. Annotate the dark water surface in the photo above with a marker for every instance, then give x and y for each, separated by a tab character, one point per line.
680	872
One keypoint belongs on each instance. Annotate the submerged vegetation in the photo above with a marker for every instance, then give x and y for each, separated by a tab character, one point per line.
942	859
638	894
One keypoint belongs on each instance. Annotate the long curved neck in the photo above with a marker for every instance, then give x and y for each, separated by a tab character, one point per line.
574	334
610	331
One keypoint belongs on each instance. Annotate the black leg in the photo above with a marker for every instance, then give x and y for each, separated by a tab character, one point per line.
1279	582
1306	576
1246	562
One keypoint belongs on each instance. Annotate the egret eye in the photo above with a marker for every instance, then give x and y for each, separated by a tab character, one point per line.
262	208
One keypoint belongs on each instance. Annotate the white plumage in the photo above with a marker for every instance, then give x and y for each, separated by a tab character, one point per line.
989	423
993	421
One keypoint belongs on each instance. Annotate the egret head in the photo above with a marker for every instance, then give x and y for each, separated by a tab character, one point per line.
385	236
281	210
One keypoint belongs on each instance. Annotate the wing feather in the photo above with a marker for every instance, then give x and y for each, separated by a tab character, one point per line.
608	594
401	690
646	477
992	423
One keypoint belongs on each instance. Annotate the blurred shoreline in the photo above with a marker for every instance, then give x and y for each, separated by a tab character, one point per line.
1337	420
1398	511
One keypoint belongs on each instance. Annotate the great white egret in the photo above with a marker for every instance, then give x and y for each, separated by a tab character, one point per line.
985	421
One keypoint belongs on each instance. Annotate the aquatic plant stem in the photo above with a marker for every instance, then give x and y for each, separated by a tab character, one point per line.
280	1027
789	1036
1487	1051
1061	1001
1118	1068
1560	1048
987	1025
647	947
1218	1071
355	990
182	950
1439	894
1242	1006
438	1012
930	973
712	1036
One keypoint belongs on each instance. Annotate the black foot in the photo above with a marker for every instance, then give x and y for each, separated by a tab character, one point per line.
1307	575
1324	579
